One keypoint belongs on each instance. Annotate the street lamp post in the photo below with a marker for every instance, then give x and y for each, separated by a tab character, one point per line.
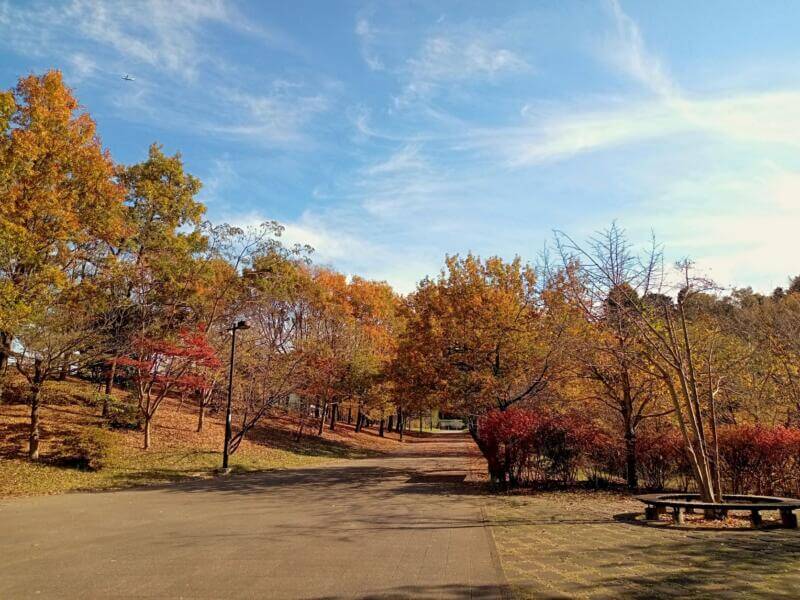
228	429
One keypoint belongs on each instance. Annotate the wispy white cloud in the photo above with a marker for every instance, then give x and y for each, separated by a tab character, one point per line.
448	59
80	66
278	116
367	35
739	227
404	161
770	117
218	180
629	53
159	42
160	34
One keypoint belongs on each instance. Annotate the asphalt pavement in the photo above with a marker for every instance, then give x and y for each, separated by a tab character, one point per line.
395	527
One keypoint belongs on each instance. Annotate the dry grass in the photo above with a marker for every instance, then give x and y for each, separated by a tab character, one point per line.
79	452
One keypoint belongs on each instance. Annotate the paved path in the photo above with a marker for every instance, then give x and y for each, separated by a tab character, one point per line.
391	528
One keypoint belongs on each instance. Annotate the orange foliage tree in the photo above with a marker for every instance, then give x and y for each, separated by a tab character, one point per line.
480	336
60	209
162	366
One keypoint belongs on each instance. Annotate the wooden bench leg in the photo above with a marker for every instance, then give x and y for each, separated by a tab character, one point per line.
788	518
677	516
651	513
755	518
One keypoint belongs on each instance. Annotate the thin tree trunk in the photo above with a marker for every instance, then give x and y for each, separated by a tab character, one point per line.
147	419
630	459
5	350
322	418
631	478
380	431
334	415
302	423
112	371
33	440
201	414
714	437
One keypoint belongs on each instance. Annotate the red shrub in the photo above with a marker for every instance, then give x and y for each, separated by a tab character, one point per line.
505	439
761	460
660	457
606	456
523	445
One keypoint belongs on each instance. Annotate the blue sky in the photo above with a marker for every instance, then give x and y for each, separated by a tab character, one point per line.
389	134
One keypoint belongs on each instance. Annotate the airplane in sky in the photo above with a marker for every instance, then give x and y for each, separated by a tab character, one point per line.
127	77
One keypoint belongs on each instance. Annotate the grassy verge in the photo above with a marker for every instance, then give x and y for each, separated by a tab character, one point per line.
119	464
80	452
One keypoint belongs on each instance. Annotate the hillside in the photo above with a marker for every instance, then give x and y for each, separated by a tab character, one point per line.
81	452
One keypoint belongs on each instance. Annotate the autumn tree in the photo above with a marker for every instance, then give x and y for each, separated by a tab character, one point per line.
50	342
157	272
680	347
375	310
329	342
767	331
269	365
481	336
59	209
608	353
161	366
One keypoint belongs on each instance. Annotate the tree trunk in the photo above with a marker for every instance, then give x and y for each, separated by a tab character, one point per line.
334	415
5	349
420	422
322	418
147	419
630	459
112	371
359	419
33	441
380	431
399	422
390	425
631	477
400	427
201	415
349	415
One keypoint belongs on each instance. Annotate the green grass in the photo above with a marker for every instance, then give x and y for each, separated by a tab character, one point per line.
79	451
121	465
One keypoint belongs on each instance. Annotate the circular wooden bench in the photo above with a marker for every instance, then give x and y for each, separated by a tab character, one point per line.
657	504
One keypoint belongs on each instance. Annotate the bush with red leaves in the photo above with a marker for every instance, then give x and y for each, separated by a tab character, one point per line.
761	460
525	446
660	458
